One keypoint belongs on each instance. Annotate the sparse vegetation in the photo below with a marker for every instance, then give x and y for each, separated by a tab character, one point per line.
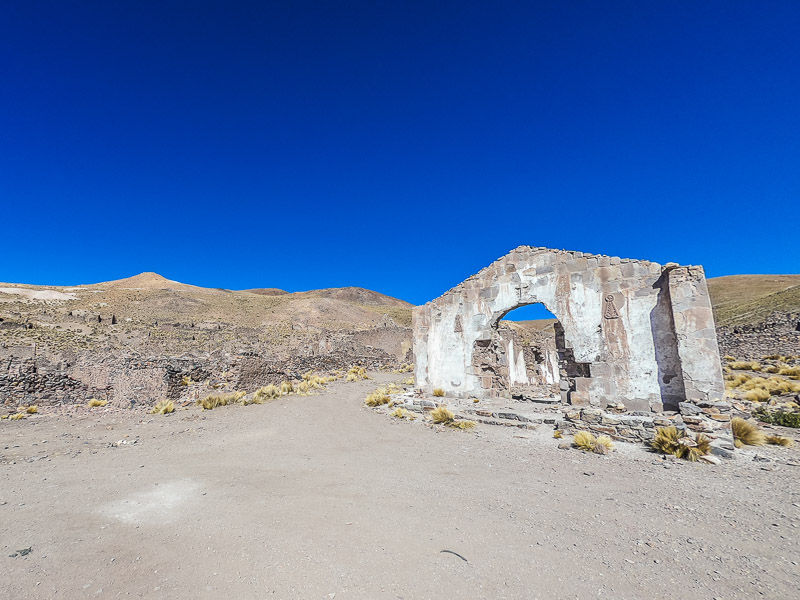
438	392
186	380
671	440
779	440
163	408
442	415
95	403
409	381
32	409
463	425
778	417
558	434
746	433
791	371
17	416
401	413
404	368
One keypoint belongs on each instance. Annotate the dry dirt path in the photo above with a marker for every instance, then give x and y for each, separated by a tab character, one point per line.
321	497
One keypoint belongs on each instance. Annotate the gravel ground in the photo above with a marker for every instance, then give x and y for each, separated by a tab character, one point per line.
321	497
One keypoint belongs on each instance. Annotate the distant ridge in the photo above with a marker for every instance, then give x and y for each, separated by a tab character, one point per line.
146	281
742	299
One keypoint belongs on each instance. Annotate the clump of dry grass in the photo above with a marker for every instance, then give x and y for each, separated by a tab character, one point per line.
463	425
759	389
729	358
404	368
17	416
794	371
746	433
757	395
286	388
671	440
32	409
442	415
745	366
409	381
585	441
558	434
401	413
438	392
186	380
735	381
211	402
779	440
356	373
163	408
268	392
378	398
94	402
303	388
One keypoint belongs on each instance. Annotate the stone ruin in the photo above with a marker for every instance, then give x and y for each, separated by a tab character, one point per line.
629	332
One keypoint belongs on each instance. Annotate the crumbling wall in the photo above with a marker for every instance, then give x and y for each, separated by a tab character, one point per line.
624	338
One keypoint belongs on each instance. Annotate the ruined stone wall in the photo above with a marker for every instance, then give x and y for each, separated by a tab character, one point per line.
777	334
624	336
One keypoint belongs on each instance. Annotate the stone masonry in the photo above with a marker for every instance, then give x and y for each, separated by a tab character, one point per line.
629	331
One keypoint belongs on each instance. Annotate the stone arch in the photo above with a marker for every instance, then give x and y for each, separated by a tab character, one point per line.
606	307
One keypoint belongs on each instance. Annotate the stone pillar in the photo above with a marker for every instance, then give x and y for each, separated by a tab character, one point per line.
695	333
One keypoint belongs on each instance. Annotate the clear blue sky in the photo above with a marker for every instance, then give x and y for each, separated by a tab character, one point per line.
396	146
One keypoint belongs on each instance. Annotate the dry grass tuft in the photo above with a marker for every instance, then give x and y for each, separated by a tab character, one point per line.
793	371
463	425
558	434
735	381
404	368
779	440
163	408
438	392
744	366
746	433
401	413
356	373
378	398
211	402
17	416
32	409
268	392
670	440
94	402
442	415
186	380
603	445
584	440
409	381
757	395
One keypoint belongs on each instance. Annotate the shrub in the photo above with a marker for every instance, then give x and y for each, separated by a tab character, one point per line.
670	440
94	402
438	392
746	433
779	440
442	415
163	408
778	417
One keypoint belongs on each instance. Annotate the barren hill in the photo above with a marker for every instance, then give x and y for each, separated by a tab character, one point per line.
746	299
149	313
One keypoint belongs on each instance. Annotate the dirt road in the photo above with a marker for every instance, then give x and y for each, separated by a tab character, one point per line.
320	497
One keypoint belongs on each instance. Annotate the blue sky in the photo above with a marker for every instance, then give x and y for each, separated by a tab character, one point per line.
395	146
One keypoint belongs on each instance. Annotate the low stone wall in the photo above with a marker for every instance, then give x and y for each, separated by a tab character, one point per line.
777	334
